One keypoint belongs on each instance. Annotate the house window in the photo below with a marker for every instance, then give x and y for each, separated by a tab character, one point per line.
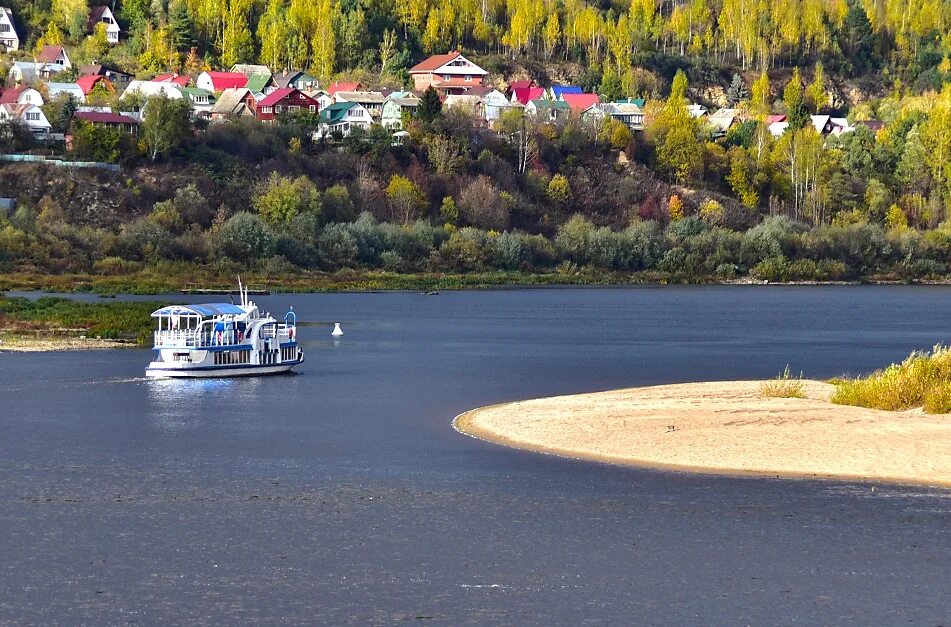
293	108
313	108
4	28
32	116
277	109
468	78
265	109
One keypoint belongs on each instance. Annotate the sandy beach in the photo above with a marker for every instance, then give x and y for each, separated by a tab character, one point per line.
22	344
729	428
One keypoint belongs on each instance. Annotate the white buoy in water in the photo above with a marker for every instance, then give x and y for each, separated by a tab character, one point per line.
337	332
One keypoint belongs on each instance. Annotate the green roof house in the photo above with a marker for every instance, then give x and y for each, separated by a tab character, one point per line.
342	117
261	84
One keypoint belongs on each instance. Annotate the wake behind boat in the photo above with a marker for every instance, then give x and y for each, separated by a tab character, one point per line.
223	340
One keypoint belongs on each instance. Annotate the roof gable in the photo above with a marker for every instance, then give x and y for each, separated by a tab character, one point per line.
452	63
223	80
338	86
49	54
525	95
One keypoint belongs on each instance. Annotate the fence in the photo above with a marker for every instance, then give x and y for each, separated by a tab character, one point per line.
112	167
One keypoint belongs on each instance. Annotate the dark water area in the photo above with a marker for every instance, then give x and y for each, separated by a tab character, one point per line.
341	494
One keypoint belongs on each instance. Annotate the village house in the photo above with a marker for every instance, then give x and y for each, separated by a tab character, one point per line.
91	82
71	89
236	102
285	100
323	99
261	84
524	83
342	118
147	89
450	73
397	106
31	73
372	101
29	114
494	102
107	119
55	55
581	103
722	120
297	79
466	102
524	95
113	74
9	40
545	110
696	111
555	92
103	15
21	95
202	100
627	113
219	81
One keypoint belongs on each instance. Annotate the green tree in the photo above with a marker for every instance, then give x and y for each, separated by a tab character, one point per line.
166	124
793	99
449	210
816	92
430	106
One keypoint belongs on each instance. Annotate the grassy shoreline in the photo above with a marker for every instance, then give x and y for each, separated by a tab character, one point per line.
152	283
49	323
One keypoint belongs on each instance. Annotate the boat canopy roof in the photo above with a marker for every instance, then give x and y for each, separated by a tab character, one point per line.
207	310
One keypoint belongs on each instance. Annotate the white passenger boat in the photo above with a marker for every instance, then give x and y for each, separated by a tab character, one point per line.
223	340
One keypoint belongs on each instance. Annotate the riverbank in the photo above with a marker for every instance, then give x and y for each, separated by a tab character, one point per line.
161	282
726	428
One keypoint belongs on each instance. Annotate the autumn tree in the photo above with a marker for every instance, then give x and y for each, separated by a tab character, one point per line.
405	198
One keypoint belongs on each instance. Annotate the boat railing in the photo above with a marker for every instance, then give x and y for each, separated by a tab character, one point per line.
278	331
196	338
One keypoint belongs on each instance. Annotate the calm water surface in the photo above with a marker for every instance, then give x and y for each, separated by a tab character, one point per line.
342	495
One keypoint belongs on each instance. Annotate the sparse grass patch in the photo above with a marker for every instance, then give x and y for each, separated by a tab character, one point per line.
923	379
50	316
783	386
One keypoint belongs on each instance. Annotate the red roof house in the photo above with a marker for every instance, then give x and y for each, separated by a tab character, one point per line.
451	73
284	100
219	81
524	95
775	118
88	83
178	79
580	103
338	86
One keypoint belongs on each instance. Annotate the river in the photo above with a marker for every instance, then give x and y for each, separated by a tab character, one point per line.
341	494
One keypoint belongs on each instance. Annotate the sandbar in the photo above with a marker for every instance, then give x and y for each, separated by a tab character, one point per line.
726	427
26	344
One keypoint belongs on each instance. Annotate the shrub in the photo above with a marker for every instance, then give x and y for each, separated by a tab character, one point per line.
505	251
337	246
481	205
922	379
783	386
245	237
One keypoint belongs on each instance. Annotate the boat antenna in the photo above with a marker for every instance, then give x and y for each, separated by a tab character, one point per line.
241	292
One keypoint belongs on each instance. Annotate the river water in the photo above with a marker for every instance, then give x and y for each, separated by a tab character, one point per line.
342	494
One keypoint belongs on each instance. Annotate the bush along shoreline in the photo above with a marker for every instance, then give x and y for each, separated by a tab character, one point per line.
49	321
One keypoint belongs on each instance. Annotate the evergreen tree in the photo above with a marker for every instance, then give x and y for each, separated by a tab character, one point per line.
430	107
180	28
792	98
737	91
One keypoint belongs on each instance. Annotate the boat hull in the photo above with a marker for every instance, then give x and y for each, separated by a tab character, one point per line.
161	370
